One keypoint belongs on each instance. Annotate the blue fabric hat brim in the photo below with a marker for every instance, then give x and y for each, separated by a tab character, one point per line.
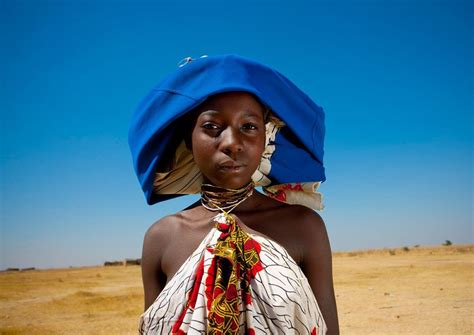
299	153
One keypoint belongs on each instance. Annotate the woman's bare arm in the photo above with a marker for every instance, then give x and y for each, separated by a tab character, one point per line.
317	266
153	277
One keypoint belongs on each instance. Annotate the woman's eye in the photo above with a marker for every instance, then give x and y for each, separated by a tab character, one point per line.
211	129
210	126
250	126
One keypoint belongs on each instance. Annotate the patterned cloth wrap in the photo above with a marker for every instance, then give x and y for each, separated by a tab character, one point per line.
235	283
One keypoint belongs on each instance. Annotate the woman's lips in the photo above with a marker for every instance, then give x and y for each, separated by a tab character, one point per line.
231	167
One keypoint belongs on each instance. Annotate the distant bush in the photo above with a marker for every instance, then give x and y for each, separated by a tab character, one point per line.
447	243
406	249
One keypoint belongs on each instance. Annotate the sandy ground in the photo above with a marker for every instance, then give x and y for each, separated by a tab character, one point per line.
415	291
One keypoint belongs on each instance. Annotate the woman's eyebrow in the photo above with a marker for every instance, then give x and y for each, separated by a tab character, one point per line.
252	113
209	112
247	112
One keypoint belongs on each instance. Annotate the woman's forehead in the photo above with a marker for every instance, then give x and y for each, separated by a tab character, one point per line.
233	99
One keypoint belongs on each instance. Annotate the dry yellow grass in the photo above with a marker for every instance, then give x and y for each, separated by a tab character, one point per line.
419	291
97	300
414	291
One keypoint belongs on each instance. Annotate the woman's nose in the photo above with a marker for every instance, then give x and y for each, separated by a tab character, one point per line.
231	141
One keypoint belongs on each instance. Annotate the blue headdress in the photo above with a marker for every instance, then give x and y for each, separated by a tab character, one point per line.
291	168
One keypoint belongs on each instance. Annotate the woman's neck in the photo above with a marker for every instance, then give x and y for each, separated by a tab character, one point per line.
216	198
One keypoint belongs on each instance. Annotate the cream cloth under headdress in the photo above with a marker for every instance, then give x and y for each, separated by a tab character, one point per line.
184	176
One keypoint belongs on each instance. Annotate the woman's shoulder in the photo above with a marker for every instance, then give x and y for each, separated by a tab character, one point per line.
157	237
306	225
168	227
306	217
293	216
297	228
164	226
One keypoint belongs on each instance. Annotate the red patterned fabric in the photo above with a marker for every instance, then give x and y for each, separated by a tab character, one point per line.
235	283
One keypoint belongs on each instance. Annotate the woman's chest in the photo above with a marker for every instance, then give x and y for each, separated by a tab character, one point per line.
187	240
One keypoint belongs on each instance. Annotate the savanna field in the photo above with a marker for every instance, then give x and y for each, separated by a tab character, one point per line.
416	290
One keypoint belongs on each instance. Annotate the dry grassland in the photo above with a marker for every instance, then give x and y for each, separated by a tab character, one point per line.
419	291
415	291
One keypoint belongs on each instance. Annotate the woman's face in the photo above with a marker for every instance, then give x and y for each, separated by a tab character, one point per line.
228	138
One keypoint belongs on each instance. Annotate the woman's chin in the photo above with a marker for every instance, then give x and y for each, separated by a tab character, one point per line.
231	183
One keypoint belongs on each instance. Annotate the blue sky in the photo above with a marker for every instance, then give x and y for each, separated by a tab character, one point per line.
394	77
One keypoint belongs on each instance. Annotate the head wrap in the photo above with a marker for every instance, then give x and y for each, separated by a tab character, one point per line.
291	168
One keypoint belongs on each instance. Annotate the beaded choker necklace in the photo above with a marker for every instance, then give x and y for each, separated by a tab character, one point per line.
216	198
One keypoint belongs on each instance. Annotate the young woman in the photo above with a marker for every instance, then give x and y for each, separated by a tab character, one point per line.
238	262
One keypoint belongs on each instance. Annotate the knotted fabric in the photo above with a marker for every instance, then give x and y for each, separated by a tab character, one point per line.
236	261
254	288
